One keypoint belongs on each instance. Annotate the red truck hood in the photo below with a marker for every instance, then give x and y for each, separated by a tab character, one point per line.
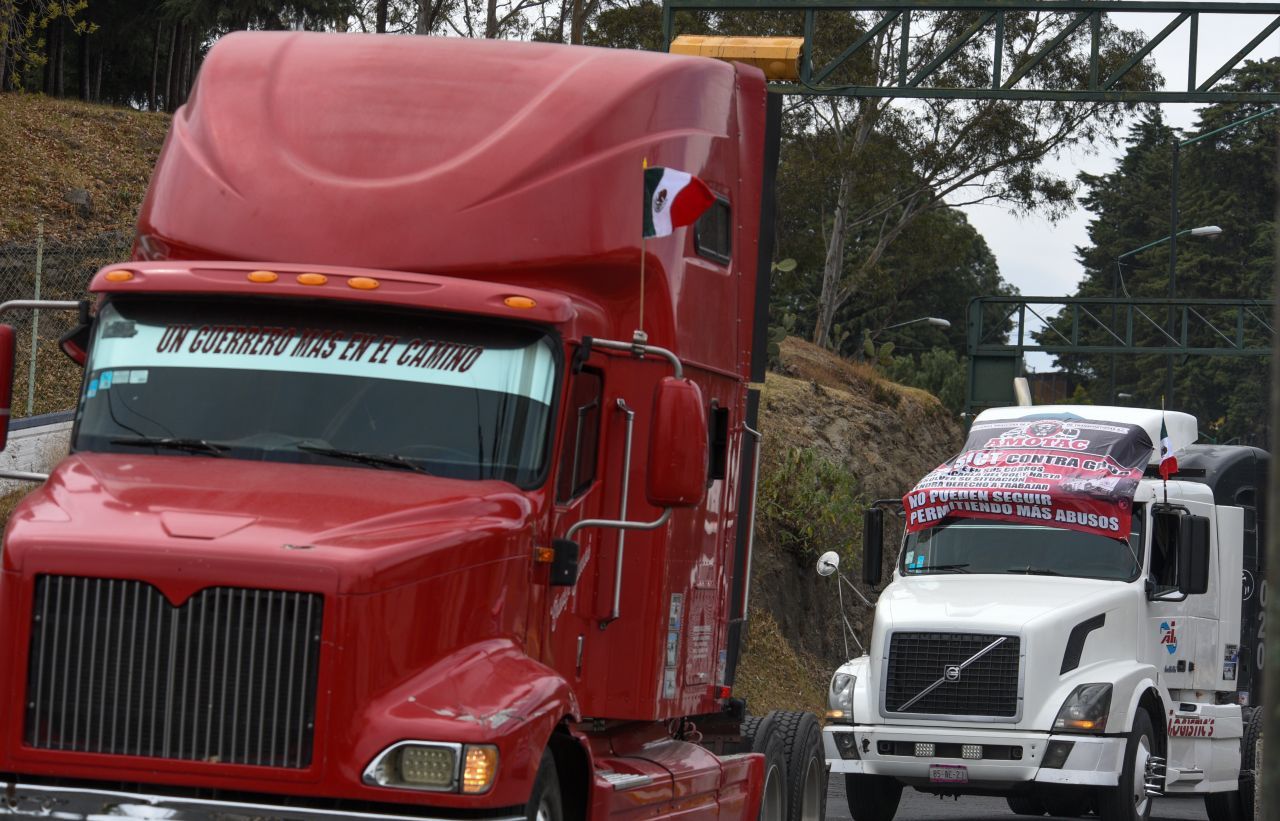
185	523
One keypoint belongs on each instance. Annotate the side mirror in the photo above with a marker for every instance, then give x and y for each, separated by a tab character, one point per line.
872	545
1193	555
828	563
564	566
8	351
75	344
677	475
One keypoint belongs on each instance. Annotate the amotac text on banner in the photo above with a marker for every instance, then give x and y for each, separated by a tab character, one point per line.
1051	469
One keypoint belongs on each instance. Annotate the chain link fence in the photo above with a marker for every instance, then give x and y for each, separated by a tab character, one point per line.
46	380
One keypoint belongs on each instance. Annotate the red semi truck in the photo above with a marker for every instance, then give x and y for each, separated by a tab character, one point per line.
377	505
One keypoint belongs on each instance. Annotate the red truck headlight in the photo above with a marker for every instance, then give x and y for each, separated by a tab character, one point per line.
435	766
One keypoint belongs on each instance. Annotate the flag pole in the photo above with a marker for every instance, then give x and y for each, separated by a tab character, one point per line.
1164	477
644	165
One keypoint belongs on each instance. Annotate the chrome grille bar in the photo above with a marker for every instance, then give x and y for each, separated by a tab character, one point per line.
115	669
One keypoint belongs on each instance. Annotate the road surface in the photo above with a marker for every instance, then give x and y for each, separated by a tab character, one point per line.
917	806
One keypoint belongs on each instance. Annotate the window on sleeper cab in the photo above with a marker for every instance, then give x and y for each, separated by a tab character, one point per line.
465	399
1164	554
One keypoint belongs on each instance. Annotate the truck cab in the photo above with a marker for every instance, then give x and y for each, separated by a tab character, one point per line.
1065	670
407	480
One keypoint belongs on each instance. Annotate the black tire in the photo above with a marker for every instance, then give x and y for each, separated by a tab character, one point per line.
545	802
872	797
1128	801
1241	803
806	765
1067	802
767	740
1025	804
1250	761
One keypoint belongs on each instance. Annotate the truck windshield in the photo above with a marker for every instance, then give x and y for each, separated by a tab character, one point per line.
319	384
962	545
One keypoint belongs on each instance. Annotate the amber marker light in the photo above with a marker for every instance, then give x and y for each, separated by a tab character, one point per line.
262	276
544	555
118	276
363	283
312	279
479	768
523	303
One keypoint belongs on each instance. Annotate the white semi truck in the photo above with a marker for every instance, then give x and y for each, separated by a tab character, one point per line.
1064	670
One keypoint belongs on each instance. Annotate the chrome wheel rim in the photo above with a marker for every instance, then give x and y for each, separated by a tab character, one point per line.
544	811
811	797
1142	771
771	800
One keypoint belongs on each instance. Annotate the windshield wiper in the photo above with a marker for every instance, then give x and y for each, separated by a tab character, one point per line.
941	568
174	443
1033	571
382	460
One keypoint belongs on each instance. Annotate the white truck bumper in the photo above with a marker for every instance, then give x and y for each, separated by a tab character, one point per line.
997	759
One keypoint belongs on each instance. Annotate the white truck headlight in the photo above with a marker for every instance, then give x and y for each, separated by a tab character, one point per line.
840	698
1085	710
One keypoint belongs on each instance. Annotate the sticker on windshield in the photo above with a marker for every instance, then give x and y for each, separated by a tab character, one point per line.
104	381
93	388
526	371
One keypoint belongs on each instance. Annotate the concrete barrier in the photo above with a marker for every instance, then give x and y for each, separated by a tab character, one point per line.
36	444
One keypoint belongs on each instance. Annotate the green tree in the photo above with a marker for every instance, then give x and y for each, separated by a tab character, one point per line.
1226	180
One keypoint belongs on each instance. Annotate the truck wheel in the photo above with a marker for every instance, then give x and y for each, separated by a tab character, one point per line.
1128	800
1242	803
872	797
766	739
1025	804
544	803
1250	763
806	765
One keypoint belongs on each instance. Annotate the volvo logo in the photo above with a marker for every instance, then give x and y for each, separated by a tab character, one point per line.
952	673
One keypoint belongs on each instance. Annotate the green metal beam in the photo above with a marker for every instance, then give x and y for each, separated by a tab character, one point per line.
909	78
1106	325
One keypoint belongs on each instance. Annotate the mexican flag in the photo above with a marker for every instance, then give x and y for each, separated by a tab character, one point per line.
1168	462
671	199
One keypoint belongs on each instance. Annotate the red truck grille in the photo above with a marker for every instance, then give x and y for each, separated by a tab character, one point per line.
229	677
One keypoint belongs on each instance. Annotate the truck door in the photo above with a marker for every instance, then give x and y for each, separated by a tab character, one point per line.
579	494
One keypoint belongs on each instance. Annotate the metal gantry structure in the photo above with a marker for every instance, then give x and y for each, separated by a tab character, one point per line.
1001	330
917	73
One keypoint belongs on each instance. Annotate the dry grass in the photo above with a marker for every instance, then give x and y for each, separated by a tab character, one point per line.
9	501
774	675
52	146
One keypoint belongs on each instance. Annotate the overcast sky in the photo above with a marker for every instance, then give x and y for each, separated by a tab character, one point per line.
1039	257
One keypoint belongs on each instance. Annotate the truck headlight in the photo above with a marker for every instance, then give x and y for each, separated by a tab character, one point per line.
435	766
1085	710
840	698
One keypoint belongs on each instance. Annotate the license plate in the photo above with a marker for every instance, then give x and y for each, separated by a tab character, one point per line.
948	774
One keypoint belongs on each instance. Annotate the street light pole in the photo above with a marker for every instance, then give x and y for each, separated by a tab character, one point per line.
1117	280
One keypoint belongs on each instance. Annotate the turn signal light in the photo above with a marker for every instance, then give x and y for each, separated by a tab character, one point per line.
312	279
544	555
118	276
523	303
479	768
262	276
363	283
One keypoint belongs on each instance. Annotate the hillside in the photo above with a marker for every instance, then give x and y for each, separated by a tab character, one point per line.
81	168
836	436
